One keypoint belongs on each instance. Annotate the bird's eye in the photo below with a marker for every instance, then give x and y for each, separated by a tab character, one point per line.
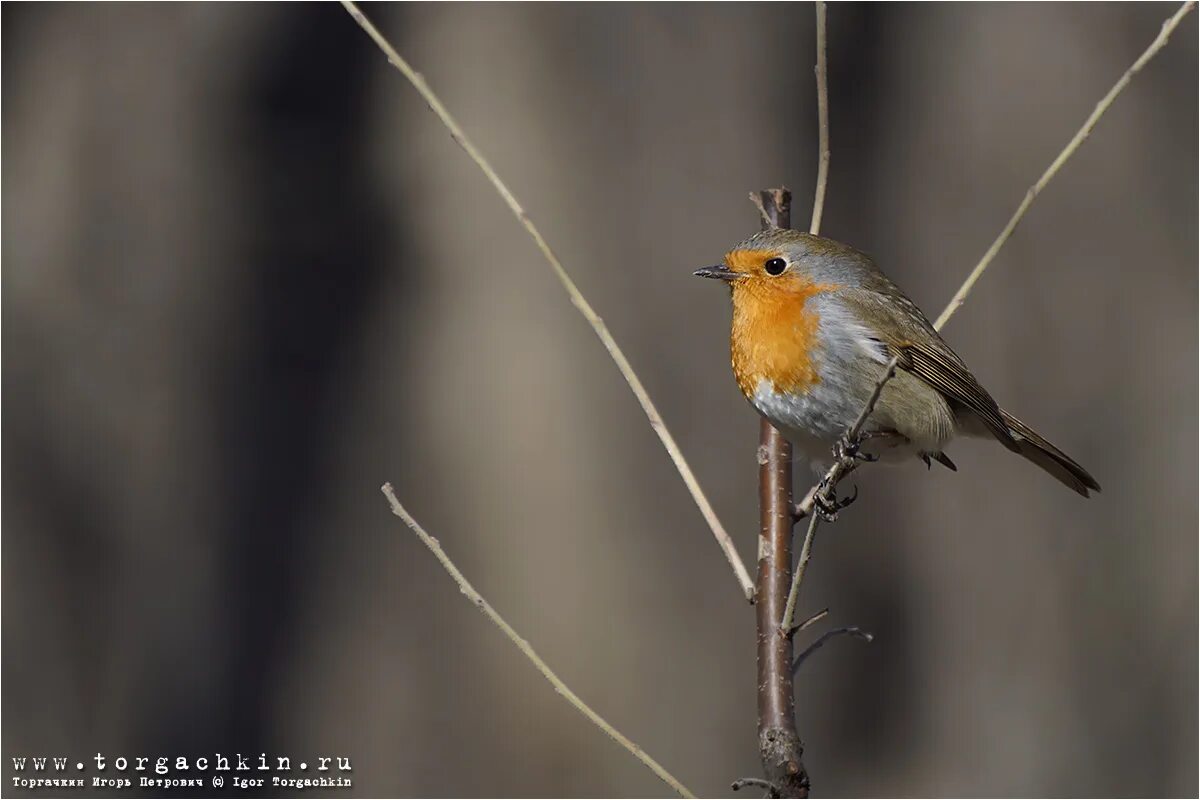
775	266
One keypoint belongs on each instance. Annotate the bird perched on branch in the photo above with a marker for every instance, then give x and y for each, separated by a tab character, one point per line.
815	324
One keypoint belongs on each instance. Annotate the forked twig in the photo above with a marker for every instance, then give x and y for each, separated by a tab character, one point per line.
577	298
479	602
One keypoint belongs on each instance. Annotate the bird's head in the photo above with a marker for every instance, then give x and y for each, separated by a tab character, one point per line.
772	276
780	263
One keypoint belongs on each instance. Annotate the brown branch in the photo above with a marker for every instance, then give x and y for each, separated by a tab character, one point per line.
577	299
484	606
779	744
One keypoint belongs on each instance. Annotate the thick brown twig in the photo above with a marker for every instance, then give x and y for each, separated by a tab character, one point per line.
482	604
779	744
577	299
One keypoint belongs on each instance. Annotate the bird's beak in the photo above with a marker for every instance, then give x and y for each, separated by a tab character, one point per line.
720	272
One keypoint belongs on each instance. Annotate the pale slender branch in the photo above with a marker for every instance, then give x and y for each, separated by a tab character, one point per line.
479	602
814	228
818	209
845	463
856	430
1159	43
577	298
813	620
825	637
787	625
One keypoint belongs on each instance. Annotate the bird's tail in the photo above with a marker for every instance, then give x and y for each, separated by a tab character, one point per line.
1031	445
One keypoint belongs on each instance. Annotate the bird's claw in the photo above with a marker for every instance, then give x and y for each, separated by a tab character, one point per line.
847	450
828	504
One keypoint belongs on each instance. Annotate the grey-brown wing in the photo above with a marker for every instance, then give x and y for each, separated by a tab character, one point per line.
906	333
944	371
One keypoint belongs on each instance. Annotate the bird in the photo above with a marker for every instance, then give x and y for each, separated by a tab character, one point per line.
815	324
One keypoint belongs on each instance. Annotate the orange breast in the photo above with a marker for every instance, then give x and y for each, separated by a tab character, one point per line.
774	336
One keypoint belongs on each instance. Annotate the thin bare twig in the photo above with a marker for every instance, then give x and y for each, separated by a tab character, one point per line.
577	298
818	209
813	620
786	625
825	637
744	783
845	463
821	72
479	602
1160	41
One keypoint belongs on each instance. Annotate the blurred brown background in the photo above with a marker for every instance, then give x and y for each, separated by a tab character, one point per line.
248	278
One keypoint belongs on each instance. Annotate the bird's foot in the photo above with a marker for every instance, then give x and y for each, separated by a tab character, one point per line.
828	504
846	450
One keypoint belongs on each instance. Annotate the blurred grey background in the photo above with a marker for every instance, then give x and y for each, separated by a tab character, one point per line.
248	277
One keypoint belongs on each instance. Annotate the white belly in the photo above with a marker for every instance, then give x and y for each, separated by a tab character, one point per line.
815	420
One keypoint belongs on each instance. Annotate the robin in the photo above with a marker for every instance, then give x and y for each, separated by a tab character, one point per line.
814	324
